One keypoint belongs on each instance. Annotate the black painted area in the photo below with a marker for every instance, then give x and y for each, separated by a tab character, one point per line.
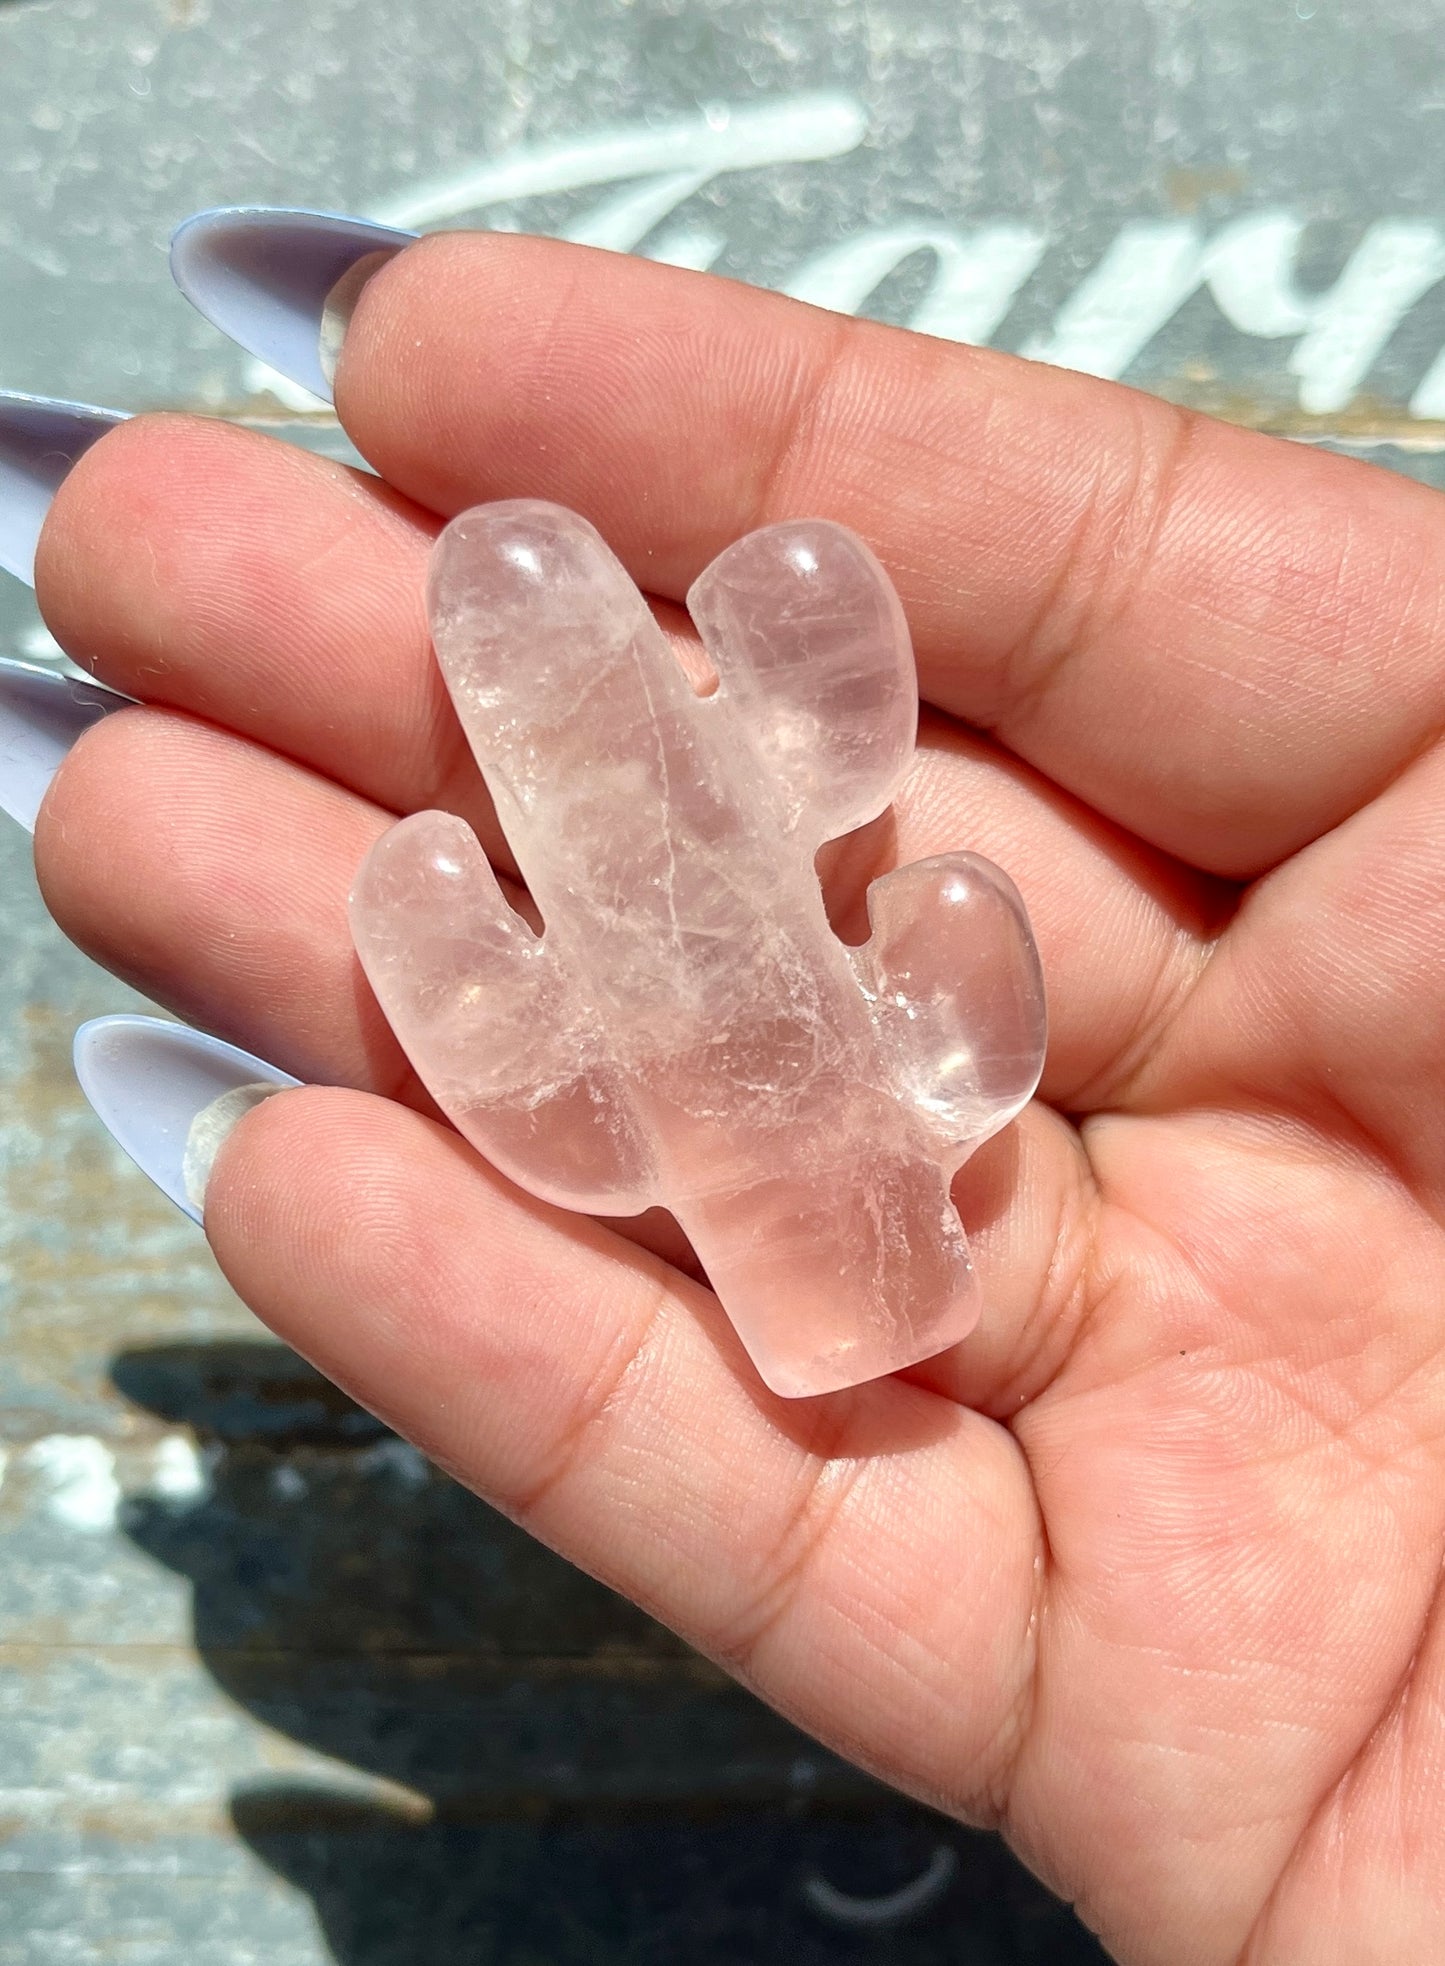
582	1787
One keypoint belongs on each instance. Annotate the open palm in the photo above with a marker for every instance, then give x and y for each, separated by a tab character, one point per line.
1148	1571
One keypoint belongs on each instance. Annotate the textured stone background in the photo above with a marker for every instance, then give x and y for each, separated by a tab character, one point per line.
269	1688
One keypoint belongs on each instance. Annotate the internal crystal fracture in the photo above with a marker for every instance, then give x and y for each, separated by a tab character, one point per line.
688	1030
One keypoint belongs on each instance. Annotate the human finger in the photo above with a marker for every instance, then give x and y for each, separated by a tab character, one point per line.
213	875
601	1400
1224	642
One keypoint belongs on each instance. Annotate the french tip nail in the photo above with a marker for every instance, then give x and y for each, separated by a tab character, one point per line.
281	283
40	439
170	1096
42	713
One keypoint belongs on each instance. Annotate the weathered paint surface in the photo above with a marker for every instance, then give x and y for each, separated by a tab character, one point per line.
271	1689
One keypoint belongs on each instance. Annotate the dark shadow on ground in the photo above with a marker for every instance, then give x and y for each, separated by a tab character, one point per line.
560	1779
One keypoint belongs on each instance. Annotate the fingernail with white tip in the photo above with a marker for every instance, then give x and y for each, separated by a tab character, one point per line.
281	283
171	1097
42	713
40	439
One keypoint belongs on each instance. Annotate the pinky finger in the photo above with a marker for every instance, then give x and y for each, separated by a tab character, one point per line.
598	1396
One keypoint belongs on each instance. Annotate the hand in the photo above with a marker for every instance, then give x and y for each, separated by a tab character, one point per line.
1147	1573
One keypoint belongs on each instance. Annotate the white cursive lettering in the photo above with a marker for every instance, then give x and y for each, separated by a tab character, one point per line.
1152	268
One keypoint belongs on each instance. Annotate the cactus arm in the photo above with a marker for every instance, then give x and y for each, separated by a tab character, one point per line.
811	649
954	978
490	1024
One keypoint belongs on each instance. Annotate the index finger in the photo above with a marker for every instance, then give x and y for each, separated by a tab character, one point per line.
1223	641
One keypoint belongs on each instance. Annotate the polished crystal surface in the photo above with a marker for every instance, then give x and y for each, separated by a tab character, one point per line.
687	1029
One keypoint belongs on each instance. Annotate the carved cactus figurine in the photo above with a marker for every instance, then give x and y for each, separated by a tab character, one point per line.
687	1029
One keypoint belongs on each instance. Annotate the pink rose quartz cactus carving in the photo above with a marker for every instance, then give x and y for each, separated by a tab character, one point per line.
687	1029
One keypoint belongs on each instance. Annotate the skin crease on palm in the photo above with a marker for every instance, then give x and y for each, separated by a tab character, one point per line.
1146	1573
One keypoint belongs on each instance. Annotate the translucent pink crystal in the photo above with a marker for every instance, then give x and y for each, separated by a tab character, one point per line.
688	1030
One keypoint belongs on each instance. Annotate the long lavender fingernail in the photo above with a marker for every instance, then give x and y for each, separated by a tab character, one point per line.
170	1096
281	283
40	439
42	714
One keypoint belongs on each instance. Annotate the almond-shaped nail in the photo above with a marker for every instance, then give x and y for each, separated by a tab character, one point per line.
40	439
282	284
170	1096
42	713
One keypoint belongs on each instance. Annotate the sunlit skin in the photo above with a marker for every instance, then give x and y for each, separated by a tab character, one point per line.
1147	1571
